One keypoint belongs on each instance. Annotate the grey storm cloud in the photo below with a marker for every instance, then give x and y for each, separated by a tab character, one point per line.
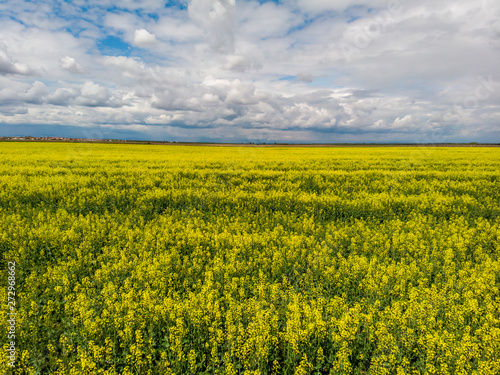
9	66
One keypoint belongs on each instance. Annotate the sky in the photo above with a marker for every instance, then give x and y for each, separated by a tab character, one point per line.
319	71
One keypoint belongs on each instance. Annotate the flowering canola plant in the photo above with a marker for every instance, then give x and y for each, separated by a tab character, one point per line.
137	259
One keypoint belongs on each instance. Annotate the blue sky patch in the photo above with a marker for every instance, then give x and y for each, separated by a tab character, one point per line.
114	46
288	78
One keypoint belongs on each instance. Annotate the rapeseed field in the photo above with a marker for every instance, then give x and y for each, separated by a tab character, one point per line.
142	259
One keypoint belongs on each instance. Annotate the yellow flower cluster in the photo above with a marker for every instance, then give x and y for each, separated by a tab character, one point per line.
135	259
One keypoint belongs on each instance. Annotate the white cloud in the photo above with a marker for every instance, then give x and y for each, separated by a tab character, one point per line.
216	19
241	64
404	122
123	21
240	93
63	96
143	38
130	67
305	77
318	6
176	29
36	94
70	64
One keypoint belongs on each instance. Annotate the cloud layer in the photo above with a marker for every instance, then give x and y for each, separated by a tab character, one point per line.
298	71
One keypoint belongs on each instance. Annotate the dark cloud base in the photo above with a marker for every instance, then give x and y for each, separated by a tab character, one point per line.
220	135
